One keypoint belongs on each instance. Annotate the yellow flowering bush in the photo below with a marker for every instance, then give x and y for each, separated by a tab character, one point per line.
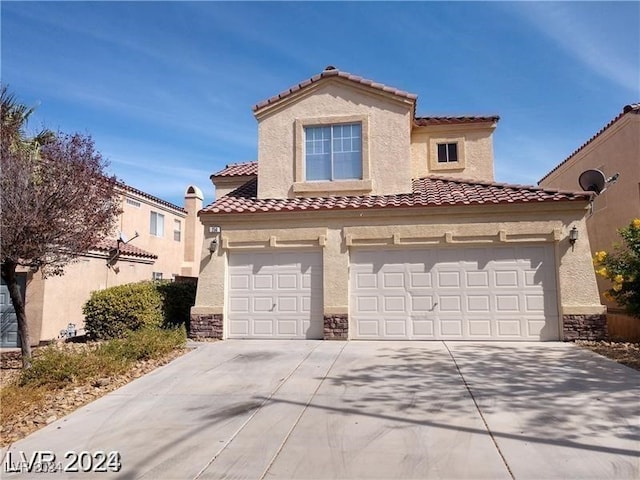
621	267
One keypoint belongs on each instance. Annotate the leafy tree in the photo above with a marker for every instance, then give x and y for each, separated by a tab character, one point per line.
622	267
56	202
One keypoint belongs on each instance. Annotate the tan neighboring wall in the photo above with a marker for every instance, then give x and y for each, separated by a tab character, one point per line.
136	217
475	151
614	150
386	127
335	234
55	302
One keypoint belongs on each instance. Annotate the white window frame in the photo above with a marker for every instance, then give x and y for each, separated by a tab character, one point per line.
333	152
177	230
156	224
133	203
156	276
356	186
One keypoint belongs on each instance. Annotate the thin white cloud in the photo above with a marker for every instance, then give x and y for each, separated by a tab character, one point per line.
607	48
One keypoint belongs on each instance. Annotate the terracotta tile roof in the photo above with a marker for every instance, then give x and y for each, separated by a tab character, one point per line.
128	188
333	72
427	192
427	121
237	169
107	245
632	108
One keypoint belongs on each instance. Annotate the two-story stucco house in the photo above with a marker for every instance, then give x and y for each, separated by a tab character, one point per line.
362	220
613	149
163	241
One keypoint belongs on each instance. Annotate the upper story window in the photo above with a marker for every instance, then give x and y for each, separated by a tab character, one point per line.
156	224
177	230
333	152
447	152
133	202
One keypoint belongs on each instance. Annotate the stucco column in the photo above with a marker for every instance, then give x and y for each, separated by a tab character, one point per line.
336	286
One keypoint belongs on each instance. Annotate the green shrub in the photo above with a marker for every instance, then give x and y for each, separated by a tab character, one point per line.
110	313
177	300
144	344
55	368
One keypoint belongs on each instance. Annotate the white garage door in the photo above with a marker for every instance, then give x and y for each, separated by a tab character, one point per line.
275	295
496	293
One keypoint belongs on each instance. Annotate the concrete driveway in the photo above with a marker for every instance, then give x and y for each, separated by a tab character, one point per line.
387	410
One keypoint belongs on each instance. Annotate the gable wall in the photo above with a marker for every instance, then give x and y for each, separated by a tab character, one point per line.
389	137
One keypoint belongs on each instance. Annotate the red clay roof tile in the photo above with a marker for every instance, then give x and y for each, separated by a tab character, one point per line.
427	192
455	120
333	72
108	245
237	169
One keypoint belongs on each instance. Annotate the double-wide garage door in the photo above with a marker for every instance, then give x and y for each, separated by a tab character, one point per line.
275	295
497	293
492	293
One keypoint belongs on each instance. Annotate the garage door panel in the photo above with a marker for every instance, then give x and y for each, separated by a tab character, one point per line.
480	328
449	303
421	303
509	328
263	282
451	327
275	295
368	327
288	281
470	293
478	303
449	279
394	304
477	279
423	328
393	280
240	305
507	303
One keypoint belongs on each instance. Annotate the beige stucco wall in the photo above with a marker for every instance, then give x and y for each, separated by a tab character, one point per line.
65	296
53	303
335	234
388	120
475	151
616	150
193	232
169	251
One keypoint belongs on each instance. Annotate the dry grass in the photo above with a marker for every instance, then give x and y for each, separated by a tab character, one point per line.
66	376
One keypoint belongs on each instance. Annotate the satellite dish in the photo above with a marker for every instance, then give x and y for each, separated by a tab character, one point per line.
122	237
592	181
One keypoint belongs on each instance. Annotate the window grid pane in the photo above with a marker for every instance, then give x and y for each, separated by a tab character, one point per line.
333	152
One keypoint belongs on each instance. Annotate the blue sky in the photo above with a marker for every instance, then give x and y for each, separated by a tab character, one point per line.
166	88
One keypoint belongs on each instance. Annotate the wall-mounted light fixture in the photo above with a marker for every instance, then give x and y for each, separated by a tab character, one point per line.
573	235
212	246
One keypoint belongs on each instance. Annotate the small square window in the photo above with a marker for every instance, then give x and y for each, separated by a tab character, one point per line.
447	152
157	276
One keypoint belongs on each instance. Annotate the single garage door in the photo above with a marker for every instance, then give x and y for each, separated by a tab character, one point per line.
275	295
497	293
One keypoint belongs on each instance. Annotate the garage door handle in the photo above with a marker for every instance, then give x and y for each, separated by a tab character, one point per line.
274	307
434	307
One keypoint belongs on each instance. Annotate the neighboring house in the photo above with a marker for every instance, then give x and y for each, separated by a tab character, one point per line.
361	220
614	149
167	245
